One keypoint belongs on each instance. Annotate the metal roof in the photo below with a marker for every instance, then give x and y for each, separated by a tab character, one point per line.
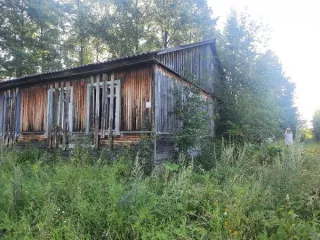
145	55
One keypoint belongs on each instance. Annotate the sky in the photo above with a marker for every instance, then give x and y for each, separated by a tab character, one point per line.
295	38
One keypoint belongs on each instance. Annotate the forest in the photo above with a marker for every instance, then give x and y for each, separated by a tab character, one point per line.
246	184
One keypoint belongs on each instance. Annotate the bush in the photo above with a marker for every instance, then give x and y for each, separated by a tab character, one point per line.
236	198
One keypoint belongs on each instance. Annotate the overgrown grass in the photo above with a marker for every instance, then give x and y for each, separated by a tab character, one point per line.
245	192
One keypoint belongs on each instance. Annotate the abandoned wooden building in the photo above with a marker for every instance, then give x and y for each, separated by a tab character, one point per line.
119	99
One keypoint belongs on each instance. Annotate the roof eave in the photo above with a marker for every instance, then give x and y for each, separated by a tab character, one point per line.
75	73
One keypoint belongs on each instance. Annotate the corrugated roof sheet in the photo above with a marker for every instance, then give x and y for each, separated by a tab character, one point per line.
161	51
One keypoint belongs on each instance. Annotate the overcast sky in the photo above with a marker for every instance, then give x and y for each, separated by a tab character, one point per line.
295	38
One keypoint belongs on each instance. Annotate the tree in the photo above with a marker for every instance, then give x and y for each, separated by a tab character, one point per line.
38	36
136	26
28	42
254	90
316	125
192	112
182	21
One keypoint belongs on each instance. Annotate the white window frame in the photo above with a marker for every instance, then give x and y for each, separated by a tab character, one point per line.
49	108
117	86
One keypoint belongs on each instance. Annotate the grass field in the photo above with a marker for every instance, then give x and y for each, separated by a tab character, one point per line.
247	192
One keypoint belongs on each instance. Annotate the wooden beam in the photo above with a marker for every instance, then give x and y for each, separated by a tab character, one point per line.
104	104
92	100
111	111
66	116
18	112
97	113
153	110
55	114
49	120
60	114
6	118
12	117
89	97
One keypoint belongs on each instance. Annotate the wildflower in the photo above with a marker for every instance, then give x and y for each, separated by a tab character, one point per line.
230	230
32	203
226	223
287	198
225	214
236	233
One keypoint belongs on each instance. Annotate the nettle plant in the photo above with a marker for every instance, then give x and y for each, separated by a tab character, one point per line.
192	112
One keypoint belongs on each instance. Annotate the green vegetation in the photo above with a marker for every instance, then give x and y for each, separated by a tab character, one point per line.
257	95
316	125
39	36
247	192
241	188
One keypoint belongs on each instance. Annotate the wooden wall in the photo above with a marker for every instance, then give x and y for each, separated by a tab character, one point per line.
10	116
166	122
196	63
34	106
165	84
34	109
1	94
136	90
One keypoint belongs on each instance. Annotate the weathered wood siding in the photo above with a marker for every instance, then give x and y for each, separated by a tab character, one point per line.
136	91
196	63
1	94
10	116
34	106
167	84
34	109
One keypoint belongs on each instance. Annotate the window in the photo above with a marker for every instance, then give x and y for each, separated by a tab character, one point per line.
99	109
10	115
59	114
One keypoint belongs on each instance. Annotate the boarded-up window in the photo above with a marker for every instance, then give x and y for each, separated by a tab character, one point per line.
10	116
100	107
59	111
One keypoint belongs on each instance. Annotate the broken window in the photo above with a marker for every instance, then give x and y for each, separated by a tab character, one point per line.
59	110
10	115
99	107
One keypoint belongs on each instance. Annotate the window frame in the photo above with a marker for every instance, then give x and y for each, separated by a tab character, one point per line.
17	113
49	107
117	95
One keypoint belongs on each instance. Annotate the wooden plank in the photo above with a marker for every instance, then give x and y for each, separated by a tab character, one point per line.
107	107
89	92
70	112
153	111
60	113
118	108
49	119
89	97
110	137
92	113
6	121
11	116
18	109
2	116
97	113
66	116
104	100
55	114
